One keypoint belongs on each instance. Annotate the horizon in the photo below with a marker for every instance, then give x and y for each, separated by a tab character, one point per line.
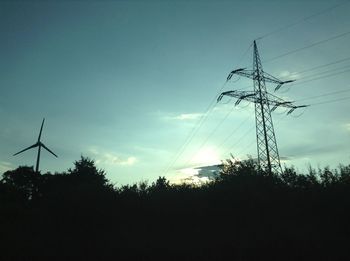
133	85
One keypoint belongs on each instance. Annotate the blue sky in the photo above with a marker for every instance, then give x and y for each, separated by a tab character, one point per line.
125	82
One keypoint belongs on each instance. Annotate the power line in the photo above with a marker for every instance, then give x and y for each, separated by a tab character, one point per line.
308	46
252	128
221	122
301	20
314	104
252	141
327	71
240	139
319	66
323	72
319	78
211	134
192	133
325	94
330	101
196	128
310	69
202	120
233	132
324	76
319	103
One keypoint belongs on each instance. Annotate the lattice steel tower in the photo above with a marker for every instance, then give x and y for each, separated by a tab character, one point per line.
268	156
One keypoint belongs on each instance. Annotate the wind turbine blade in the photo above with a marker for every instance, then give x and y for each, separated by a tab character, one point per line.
41	129
30	147
49	150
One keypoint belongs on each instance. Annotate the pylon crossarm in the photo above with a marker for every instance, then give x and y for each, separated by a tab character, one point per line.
228	93
270	99
272	79
245	97
246	73
293	108
234	72
280	85
241	72
273	97
278	104
237	94
222	95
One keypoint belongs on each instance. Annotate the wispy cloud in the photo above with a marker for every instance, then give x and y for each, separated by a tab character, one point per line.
5	166
308	150
111	158
184	116
347	126
289	75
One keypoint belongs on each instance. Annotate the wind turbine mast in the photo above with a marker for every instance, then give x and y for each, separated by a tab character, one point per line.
268	157
38	144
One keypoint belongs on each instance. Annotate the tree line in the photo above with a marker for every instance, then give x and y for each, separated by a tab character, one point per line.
244	214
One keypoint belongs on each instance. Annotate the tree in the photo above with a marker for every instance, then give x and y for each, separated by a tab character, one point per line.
24	180
85	172
233	168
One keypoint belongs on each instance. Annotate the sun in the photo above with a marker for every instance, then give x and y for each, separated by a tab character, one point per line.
207	156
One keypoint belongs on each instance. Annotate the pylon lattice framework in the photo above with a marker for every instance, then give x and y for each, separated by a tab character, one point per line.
268	157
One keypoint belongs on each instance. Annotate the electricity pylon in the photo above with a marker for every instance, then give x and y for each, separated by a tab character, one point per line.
268	157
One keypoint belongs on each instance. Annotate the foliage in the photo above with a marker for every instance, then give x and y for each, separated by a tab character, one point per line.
24	180
85	172
244	214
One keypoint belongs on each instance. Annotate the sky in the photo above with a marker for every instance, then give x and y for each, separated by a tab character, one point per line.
132	84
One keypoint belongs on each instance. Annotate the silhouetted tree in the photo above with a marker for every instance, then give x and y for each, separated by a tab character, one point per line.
245	214
344	174
86	172
24	180
328	177
161	184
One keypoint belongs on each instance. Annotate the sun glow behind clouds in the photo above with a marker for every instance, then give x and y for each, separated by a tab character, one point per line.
206	157
189	175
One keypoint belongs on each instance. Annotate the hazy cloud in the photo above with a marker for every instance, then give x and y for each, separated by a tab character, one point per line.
301	151
209	172
185	116
5	166
188	175
289	75
347	126
285	158
110	158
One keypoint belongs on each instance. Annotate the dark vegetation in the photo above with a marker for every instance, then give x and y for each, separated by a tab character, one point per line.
243	215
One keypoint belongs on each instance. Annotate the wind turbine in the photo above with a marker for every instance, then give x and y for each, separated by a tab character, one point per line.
38	144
